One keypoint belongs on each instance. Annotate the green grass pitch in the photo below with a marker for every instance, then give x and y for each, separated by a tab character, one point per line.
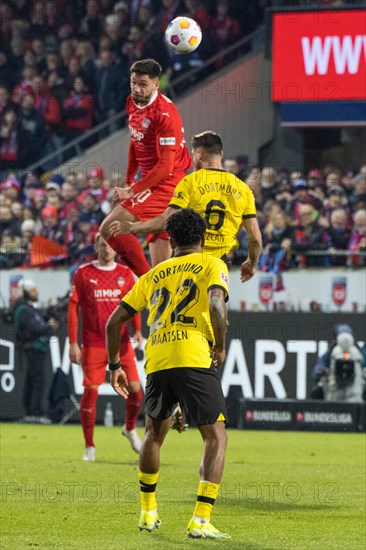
281	490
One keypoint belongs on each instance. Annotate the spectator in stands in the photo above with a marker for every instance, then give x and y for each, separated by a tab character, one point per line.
8	222
73	71
28	229
339	234
197	11
310	236
92	208
315	176
226	28
9	75
49	107
25	86
53	63
85	53
82	246
121	10
133	47
10	188
332	178
357	241
153	44
67	51
6	103
113	31
359	186
94	179
277	241
10	251
78	110
32	122
51	225
284	196
112	82
69	195
268	182
232	166
39	53
91	25
336	199
14	142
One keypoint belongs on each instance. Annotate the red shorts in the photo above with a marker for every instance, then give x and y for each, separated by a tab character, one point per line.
151	203
94	363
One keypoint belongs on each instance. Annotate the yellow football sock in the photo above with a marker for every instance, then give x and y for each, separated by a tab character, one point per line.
207	494
148	484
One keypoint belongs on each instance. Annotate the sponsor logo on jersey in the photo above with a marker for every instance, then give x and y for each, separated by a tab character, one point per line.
146	123
224	277
165	114
135	133
107	293
167	141
120	281
94	281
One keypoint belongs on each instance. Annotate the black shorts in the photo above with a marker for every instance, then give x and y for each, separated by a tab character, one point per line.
198	391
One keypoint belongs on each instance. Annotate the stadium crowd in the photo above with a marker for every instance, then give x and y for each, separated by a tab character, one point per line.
65	64
323	211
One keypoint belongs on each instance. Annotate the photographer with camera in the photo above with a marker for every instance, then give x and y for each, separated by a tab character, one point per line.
339	373
33	333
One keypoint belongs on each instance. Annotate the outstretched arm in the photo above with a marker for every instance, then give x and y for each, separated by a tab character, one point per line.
254	249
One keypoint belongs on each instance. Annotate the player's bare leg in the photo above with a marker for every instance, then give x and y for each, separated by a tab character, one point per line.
88	413
126	246
133	405
160	250
211	470
149	463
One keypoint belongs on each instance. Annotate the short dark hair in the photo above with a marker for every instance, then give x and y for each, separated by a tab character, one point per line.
186	227
210	141
147	66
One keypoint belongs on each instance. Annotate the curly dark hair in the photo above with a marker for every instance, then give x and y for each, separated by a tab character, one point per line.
186	227
210	141
150	67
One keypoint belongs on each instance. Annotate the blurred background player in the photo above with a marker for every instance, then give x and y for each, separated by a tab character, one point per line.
185	347
158	149
223	200
97	287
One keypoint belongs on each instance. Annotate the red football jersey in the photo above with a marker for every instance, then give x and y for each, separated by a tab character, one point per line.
158	126
97	291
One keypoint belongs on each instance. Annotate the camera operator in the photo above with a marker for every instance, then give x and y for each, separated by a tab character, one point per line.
339	373
33	333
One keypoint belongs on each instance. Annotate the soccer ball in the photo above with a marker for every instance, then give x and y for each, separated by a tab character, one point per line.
183	35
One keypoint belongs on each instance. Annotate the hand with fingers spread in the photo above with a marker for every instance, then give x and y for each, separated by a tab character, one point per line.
119	382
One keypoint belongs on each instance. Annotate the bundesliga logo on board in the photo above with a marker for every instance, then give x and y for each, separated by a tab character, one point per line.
183	35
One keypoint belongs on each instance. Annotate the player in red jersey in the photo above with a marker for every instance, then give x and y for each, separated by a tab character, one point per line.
158	149
97	288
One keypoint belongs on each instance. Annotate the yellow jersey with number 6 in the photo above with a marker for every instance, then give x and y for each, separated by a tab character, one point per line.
176	293
223	200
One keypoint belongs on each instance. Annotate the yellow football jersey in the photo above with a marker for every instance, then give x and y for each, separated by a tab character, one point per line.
223	200
176	293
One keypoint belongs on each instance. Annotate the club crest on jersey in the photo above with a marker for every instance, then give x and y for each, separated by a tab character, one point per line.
167	141
224	277
120	281
146	123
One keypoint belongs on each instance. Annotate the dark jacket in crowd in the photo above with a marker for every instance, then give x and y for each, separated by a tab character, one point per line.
32	331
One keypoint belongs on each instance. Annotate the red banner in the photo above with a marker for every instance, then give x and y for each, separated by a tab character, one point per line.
319	55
